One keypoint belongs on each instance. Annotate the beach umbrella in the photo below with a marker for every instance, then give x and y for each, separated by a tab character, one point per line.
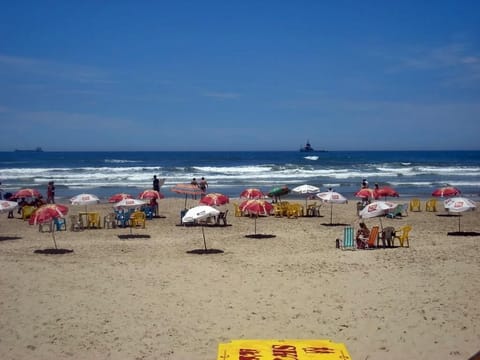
386	191
26	193
120	196
332	197
214	199
377	209
252	193
366	193
46	213
84	199
187	189
129	203
306	190
459	204
446	191
278	192
256	207
201	212
150	194
6	205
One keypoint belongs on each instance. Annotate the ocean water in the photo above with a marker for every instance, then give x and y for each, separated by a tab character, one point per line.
411	173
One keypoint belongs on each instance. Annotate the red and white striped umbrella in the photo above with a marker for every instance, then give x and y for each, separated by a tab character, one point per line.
150	194
25	193
252	193
215	199
187	189
118	197
256	207
47	213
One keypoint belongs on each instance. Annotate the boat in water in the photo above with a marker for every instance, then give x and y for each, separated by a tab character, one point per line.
38	149
308	148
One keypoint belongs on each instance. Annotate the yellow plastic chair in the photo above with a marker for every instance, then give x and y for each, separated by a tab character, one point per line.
403	237
27	211
277	210
138	219
238	212
93	220
431	205
415	205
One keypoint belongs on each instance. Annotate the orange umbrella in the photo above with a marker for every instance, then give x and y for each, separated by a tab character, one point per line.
187	189
367	193
386	191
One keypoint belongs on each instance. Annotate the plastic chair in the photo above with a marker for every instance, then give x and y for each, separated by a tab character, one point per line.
60	224
387	236
27	211
76	223
403	237
93	220
431	205
222	217
238	212
110	221
372	240
415	205
137	219
348	241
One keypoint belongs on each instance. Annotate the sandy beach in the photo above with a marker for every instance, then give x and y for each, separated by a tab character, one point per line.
149	298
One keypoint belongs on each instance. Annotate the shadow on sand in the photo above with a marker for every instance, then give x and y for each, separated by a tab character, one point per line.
260	236
133	236
205	251
335	224
53	251
6	238
463	233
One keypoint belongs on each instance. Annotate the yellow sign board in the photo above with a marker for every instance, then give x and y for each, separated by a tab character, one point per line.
293	349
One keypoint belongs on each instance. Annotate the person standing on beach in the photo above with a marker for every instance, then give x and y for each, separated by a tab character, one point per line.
156	183
203	185
51	193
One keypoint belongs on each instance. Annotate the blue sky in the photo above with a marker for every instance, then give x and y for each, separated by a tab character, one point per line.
240	75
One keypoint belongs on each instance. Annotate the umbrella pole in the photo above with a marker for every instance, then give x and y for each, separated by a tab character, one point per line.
185	206
459	230
255	232
53	236
204	242
331	213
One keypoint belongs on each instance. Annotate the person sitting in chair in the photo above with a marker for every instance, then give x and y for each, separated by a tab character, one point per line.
362	235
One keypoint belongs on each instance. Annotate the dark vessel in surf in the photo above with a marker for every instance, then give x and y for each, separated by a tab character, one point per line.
308	148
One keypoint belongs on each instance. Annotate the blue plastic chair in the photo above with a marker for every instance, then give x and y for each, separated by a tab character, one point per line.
60	224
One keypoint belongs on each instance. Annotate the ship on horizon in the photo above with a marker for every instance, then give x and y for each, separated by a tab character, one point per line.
308	148
37	149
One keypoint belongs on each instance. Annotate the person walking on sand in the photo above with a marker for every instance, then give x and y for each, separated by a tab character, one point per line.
203	185
51	193
156	183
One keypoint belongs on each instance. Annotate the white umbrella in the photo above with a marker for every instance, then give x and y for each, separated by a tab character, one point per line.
201	212
129	203
332	197
306	190
459	204
7	205
84	199
377	209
